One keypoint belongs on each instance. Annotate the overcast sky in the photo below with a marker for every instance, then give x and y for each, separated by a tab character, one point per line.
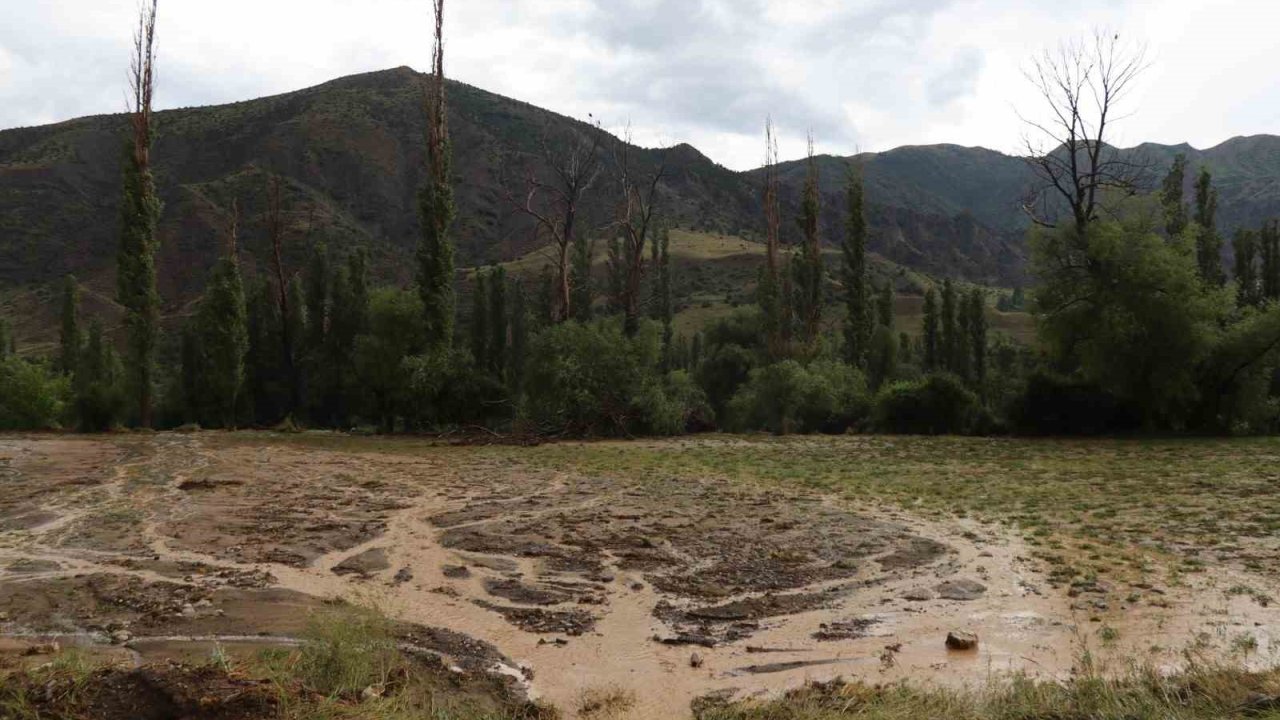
860	74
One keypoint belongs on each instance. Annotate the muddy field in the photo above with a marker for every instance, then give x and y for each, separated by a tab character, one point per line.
674	586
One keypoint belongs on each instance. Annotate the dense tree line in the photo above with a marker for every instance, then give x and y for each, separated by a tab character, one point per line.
1140	327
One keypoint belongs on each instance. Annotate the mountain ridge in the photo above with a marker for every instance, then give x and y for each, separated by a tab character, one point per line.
351	153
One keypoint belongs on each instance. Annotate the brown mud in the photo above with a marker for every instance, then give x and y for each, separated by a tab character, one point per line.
162	546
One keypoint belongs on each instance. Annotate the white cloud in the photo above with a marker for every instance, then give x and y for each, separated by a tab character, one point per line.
869	74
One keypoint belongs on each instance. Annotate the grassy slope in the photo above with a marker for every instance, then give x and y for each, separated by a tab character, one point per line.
713	273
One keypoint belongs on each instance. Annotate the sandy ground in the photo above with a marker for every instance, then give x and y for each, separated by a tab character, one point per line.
158	546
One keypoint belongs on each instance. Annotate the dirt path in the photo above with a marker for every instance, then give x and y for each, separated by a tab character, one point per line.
670	590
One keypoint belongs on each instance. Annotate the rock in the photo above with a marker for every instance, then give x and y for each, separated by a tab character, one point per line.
695	661
403	575
120	637
637	587
961	640
188	610
364	565
204	603
962	590
918	595
370	693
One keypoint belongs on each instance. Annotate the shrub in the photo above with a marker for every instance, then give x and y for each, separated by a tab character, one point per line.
938	404
31	397
346	650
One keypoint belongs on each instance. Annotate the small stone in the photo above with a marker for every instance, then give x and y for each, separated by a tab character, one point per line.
120	637
695	661
918	595
456	572
204	603
370	693
188	610
962	640
637	587
403	575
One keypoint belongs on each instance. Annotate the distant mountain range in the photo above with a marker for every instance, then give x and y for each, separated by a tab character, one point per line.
352	150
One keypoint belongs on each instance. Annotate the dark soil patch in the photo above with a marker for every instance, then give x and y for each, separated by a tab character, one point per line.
565	622
853	629
518	592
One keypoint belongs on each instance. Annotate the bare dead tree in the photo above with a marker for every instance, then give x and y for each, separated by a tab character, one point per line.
635	222
1082	83
275	232
553	200
142	82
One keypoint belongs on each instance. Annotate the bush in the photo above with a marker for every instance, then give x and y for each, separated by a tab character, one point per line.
936	405
786	397
31	397
674	406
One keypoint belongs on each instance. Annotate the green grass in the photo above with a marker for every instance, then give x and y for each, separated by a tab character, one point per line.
1142	694
1089	508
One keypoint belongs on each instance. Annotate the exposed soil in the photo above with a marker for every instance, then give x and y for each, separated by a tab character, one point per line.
157	546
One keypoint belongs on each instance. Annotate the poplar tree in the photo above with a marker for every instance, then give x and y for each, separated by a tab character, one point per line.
519	341
1269	250
70	338
1245	246
581	288
99	397
664	310
224	336
884	305
498	322
1175	210
947	354
978	336
480	321
857	324
809	268
6	339
140	215
1208	243
436	207
960	363
930	330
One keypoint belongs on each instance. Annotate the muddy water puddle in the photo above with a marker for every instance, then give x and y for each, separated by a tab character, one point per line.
169	545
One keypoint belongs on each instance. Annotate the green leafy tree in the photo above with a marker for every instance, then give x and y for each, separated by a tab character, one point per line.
930	331
853	251
436	208
884	305
1128	311
1208	242
266	379
32	396
1171	197
70	339
7	347
140	215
